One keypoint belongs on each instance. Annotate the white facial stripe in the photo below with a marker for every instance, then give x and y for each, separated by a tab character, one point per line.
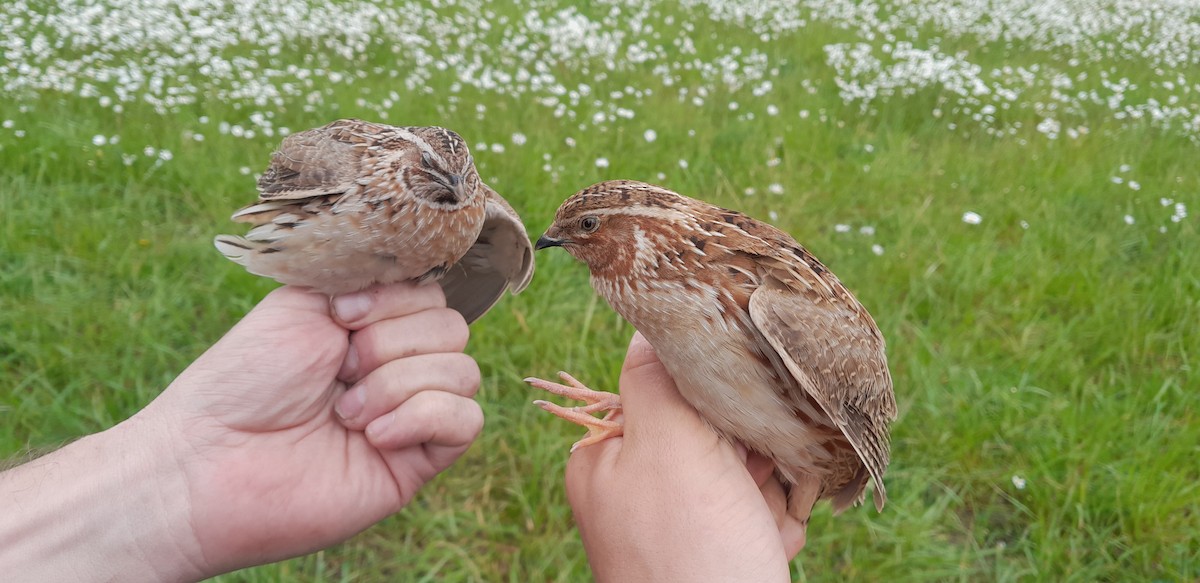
669	214
643	250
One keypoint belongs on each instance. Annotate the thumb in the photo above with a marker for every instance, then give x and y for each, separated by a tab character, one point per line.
649	396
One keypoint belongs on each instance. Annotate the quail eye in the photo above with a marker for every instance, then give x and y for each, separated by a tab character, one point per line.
590	224
426	160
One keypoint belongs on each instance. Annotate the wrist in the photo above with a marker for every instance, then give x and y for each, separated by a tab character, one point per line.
110	506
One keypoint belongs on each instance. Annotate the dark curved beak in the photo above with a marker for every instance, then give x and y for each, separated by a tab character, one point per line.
545	241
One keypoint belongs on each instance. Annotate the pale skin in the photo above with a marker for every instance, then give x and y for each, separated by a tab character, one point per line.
669	500
306	424
243	460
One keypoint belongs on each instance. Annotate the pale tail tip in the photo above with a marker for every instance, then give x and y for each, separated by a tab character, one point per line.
233	248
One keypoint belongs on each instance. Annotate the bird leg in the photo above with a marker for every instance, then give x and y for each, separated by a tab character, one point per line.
598	429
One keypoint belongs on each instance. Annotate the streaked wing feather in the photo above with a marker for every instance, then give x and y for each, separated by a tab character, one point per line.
836	359
318	162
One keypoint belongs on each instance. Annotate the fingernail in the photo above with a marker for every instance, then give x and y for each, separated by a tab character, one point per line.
350	404
352	307
378	426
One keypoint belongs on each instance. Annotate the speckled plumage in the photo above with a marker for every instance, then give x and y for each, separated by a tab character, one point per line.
762	339
354	203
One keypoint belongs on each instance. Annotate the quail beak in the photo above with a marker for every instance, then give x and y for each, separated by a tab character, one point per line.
546	241
459	187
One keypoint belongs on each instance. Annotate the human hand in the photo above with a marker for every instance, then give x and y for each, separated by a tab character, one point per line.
269	469
670	500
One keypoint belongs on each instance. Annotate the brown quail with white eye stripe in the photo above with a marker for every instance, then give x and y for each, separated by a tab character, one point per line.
354	203
764	341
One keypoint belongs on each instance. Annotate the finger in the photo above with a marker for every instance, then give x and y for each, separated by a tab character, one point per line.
295	298
395	382
648	393
443	423
360	309
794	534
589	467
426	332
776	499
760	468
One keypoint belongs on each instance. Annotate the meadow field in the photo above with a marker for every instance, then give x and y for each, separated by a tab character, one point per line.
1009	186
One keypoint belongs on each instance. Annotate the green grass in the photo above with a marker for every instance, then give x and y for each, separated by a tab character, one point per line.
1064	353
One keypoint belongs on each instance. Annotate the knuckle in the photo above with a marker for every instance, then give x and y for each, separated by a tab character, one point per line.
472	417
467	374
453	326
431	295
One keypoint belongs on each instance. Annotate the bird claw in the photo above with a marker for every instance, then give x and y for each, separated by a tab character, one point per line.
597	401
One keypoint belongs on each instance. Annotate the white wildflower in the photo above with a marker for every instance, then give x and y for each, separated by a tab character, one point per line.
972	218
